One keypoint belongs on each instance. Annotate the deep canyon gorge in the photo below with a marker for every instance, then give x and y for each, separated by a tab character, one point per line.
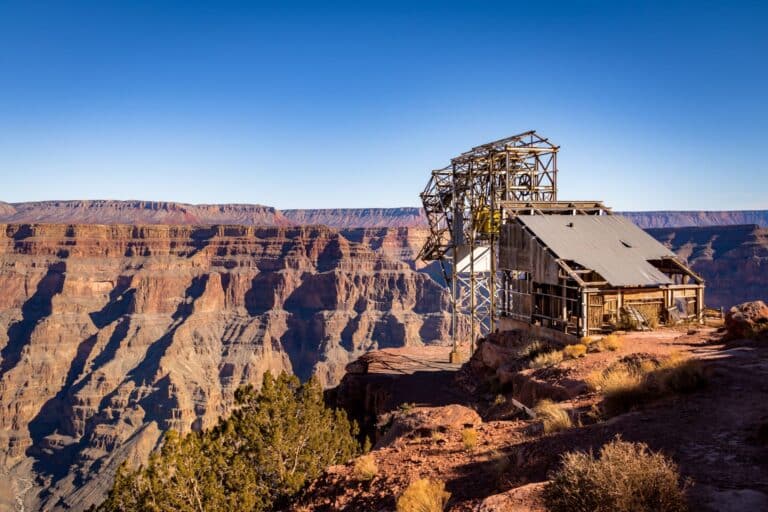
111	333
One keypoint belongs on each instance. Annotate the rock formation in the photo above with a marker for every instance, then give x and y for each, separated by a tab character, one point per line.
748	320
359	217
110	335
140	212
732	260
162	212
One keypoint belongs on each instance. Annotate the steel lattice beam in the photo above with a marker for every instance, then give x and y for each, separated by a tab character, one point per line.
464	204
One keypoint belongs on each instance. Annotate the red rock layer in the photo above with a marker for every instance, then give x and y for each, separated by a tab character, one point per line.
110	335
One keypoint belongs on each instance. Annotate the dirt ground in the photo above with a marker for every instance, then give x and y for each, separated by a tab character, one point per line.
718	436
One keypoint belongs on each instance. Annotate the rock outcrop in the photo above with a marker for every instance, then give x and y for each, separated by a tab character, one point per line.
748	320
110	335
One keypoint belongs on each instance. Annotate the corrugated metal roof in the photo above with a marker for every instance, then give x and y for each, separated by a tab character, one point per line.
610	245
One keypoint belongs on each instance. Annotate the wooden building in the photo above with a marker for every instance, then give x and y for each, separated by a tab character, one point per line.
585	274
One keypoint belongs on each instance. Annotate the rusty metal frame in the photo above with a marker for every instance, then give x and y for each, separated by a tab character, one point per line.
465	204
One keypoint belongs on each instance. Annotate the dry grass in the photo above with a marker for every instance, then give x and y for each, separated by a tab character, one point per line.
678	375
575	351
547	359
469	438
424	495
552	416
612	342
626	385
613	379
365	468
532	349
626	477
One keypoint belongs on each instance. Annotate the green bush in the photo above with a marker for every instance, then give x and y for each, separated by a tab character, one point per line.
626	477
272	445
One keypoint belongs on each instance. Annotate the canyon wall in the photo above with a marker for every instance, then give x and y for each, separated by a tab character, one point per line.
110	335
733	260
163	212
139	212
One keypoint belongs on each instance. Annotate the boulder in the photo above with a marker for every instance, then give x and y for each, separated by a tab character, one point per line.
747	320
526	498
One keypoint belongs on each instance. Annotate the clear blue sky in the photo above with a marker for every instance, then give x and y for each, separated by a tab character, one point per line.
352	104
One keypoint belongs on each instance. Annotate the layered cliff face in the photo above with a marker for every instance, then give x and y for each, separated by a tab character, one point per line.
154	212
676	219
140	212
733	260
110	335
359	217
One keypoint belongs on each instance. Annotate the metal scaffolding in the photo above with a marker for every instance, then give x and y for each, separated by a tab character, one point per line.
466	203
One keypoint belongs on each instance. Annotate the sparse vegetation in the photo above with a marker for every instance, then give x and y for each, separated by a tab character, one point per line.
679	375
631	383
532	349
547	359
365	467
575	351
552	416
612	342
626	477
424	495
469	438
277	440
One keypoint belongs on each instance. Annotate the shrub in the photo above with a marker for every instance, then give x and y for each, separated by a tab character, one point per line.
424	495
532	349
547	359
682	376
365	468
437	436
552	416
469	438
273	444
626	477
612	342
574	351
632	383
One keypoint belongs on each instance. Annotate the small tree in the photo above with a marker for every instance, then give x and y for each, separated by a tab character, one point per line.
272	445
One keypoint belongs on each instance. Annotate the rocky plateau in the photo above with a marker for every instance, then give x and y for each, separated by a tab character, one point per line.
167	212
